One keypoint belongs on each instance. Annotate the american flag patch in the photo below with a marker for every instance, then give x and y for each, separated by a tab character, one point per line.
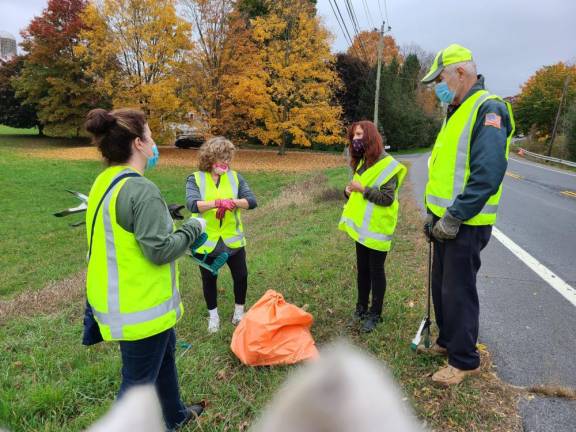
493	119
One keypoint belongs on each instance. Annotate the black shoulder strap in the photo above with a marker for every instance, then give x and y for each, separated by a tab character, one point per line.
114	183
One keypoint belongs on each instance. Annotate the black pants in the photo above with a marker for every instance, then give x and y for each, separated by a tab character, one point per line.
237	265
152	361
371	278
456	264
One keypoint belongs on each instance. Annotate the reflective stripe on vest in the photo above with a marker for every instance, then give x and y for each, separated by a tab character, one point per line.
114	318
234	185
363	231
443	202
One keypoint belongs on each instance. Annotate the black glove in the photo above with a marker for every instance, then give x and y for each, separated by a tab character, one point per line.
446	228
427	228
175	211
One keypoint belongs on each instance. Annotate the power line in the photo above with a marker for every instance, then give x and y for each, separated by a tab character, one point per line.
342	18
367	12
352	15
351	39
355	26
380	9
386	11
342	25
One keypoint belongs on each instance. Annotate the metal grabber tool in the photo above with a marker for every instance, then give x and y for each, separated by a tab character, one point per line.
424	329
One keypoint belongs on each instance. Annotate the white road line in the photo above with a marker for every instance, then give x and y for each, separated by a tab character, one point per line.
533	164
537	267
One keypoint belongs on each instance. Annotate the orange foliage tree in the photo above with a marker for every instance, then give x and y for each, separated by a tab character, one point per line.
538	103
365	45
137	50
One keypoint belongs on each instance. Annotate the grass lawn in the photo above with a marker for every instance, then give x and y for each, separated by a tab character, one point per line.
7	130
50	382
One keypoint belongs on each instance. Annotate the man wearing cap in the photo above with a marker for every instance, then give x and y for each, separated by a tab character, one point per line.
465	173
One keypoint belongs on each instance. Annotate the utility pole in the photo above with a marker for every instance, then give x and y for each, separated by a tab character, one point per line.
564	91
378	72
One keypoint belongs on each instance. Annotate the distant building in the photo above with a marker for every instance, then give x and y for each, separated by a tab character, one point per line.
7	46
511	99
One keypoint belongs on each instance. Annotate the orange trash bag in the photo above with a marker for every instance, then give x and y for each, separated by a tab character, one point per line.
274	332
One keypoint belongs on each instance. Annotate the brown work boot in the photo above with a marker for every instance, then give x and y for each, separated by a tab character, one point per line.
434	350
450	375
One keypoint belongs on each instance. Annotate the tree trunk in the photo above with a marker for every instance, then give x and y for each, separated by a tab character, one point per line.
282	150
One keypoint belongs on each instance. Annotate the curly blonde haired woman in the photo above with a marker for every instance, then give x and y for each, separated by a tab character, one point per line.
218	193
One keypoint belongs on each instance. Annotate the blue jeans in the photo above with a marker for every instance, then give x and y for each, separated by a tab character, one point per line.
152	361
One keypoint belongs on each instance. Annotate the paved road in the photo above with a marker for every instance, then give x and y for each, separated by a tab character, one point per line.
528	326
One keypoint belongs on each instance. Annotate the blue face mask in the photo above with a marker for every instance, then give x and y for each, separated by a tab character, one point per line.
444	93
152	161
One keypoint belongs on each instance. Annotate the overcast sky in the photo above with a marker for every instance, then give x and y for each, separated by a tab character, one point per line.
510	39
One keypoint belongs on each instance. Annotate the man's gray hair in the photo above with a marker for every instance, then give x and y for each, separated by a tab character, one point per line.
468	66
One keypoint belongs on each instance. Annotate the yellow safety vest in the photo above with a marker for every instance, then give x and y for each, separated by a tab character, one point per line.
449	164
367	223
132	298
230	229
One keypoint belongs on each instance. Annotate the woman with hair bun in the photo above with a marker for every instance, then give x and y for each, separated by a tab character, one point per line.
370	215
132	278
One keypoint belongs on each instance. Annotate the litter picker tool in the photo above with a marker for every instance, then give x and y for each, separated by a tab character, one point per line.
218	262
174	209
75	210
424	329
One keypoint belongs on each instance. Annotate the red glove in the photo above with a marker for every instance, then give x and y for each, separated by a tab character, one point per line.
223	206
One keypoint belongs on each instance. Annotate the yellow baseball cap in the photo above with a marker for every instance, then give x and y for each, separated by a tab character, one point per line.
452	54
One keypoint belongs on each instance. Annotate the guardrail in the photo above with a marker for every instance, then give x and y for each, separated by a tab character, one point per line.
524	152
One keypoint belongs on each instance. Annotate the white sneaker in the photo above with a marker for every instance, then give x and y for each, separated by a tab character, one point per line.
237	317
213	325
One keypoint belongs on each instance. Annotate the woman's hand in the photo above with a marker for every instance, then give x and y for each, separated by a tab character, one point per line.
242	203
355	186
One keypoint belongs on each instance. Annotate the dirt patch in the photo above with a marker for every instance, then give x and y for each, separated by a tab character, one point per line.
48	300
245	160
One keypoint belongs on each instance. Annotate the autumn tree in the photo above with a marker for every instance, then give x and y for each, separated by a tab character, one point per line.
570	121
540	98
217	28
13	112
365	46
284	86
53	77
251	9
138	51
